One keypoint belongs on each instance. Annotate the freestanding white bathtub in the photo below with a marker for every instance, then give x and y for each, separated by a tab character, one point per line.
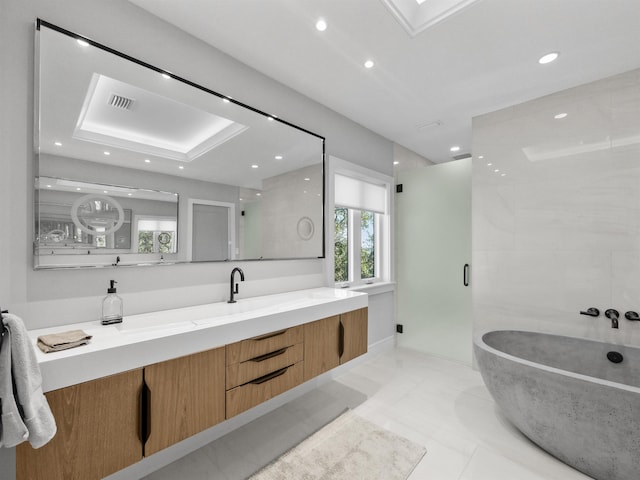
568	397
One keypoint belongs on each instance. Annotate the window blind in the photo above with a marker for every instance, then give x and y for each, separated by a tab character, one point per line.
359	194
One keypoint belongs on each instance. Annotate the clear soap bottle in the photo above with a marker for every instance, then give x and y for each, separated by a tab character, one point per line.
111	306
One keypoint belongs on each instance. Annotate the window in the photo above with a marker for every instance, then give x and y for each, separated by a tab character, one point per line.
361	231
356	246
367	245
156	235
341	244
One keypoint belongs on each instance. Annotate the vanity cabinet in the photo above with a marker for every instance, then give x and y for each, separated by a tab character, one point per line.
333	341
321	346
107	424
98	431
262	367
354	334
183	396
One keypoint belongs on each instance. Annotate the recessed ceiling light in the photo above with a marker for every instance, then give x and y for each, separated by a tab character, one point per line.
181	167
78	188
307	179
481	157
396	162
369	64
455	148
106	153
489	164
82	43
130	194
548	58
321	25
503	174
254	166
497	170
146	160
258	194
560	116
278	157
105	191
48	186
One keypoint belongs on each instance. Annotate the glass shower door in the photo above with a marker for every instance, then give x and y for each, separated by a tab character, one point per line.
433	240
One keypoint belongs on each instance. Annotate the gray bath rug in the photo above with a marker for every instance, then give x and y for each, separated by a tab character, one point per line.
349	448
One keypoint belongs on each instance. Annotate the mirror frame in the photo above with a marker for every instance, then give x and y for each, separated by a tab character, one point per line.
181	242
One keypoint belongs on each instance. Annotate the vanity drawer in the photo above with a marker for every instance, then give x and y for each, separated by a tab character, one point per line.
262	389
257	346
241	373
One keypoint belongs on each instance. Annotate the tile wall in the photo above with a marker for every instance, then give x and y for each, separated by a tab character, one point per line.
556	212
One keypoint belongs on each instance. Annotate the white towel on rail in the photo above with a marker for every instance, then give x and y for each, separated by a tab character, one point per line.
12	429
27	379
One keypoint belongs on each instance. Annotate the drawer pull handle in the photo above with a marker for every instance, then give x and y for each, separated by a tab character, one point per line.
145	414
269	376
271	335
267	356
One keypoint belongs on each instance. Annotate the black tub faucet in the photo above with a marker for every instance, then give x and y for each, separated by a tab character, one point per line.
613	315
233	291
633	316
591	312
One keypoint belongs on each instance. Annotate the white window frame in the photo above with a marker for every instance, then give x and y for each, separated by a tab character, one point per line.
383	227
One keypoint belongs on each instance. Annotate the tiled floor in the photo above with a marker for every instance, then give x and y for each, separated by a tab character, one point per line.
440	404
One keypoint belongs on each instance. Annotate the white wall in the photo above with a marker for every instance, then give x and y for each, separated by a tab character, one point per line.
407	159
560	232
45	298
283	205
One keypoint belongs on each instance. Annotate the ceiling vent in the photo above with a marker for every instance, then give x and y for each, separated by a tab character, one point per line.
462	156
118	101
430	125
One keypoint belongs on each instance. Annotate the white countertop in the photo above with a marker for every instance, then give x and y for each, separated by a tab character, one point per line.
149	338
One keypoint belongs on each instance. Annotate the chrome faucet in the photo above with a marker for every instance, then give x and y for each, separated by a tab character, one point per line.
233	291
613	315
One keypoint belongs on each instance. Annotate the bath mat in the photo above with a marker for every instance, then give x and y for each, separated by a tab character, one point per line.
349	448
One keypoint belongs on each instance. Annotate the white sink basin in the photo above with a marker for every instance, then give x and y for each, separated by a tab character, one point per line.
187	318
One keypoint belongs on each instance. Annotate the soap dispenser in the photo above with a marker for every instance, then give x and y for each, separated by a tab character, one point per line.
111	306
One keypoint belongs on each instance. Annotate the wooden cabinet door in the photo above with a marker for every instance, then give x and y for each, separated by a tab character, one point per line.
355	334
321	346
98	431
185	396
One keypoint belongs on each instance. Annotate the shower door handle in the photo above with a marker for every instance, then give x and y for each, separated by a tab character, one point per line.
465	275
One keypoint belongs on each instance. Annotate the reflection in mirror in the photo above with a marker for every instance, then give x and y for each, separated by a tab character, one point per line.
77	217
152	168
212	230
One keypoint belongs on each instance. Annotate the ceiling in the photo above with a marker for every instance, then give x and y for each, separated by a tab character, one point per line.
428	82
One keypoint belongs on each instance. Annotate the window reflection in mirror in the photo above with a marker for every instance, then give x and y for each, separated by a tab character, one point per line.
111	123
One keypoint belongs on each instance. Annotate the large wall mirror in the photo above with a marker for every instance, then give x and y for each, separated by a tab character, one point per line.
137	166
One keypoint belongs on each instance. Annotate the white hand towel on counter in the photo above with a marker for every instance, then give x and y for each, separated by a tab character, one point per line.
27	379
12	429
